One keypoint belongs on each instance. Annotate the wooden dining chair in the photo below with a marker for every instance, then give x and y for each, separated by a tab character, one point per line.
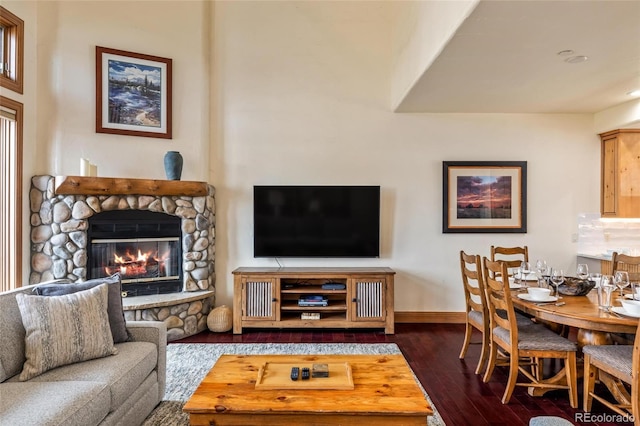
624	262
619	361
524	345
512	256
477	314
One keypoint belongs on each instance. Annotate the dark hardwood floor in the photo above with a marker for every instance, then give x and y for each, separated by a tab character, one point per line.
432	352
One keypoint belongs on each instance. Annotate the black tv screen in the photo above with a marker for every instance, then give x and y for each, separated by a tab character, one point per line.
316	221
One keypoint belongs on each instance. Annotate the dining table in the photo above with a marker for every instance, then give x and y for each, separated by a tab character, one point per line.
595	326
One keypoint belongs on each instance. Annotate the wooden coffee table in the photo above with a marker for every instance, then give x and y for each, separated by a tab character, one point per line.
385	392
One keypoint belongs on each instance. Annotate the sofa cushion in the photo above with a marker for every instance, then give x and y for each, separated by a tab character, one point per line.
114	306
66	329
122	373
53	403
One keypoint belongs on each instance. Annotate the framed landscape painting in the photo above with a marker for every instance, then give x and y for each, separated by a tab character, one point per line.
484	196
133	94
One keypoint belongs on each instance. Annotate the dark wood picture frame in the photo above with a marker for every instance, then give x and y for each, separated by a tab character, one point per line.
484	196
133	94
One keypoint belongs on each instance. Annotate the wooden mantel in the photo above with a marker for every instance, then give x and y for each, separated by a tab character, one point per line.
85	185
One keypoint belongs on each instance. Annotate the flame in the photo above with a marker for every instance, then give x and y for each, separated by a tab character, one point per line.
136	265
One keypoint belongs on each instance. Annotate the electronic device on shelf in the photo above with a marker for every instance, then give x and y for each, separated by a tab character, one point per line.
333	286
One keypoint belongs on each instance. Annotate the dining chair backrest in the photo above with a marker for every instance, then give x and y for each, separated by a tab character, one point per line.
624	262
472	280
512	256
477	313
499	297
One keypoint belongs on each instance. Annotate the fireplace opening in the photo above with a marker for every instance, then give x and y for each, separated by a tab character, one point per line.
144	247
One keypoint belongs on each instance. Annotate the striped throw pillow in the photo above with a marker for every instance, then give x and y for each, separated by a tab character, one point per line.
63	330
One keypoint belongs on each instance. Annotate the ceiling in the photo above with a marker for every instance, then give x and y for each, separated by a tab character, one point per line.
504	58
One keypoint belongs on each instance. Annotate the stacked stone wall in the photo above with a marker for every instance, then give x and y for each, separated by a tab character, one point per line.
59	225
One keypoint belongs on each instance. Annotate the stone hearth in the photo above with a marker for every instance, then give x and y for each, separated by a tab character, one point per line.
60	207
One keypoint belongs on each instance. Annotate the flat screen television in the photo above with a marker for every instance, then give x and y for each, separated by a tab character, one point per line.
316	221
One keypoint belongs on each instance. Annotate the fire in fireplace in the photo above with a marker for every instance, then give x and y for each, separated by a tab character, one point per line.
144	247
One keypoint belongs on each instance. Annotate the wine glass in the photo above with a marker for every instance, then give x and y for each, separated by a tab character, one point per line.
541	265
557	278
621	280
582	271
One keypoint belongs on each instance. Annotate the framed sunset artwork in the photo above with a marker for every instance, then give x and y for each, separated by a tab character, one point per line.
484	196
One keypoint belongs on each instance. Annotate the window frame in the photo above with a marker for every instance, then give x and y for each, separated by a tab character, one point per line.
12	75
14	262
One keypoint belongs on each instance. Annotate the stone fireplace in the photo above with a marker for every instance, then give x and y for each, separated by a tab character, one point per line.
160	235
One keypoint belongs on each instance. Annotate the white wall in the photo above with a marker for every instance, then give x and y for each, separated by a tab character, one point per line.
304	100
66	61
299	93
626	115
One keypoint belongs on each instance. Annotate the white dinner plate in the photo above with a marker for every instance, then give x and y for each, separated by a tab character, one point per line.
628	296
620	310
528	298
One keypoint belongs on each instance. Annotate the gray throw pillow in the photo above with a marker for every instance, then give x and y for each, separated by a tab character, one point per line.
114	307
63	330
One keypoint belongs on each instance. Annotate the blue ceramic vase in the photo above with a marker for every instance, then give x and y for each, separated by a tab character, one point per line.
173	165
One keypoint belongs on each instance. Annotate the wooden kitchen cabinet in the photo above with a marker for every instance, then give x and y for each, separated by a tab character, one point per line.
620	178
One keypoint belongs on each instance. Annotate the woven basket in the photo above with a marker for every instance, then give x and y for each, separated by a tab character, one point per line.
220	319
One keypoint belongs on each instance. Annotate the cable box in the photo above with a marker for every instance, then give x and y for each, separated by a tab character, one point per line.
333	286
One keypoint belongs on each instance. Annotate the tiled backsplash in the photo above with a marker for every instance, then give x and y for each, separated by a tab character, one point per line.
601	237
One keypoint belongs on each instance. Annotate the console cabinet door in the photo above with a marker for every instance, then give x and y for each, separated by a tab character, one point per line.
368	297
259	301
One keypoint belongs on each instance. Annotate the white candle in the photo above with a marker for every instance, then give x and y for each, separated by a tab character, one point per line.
84	167
93	170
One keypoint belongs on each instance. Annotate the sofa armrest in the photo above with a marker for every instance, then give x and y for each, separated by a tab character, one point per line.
154	332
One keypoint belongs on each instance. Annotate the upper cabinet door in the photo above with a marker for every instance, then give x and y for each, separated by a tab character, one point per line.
620	183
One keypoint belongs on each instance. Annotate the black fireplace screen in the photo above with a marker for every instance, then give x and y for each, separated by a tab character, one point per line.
144	247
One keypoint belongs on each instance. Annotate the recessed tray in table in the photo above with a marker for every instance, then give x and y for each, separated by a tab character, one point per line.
277	375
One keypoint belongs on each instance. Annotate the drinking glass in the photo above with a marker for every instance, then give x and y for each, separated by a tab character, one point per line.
542	272
525	270
557	278
635	291
604	292
621	280
596	277
582	271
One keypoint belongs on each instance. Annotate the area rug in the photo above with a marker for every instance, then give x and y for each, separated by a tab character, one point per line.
188	363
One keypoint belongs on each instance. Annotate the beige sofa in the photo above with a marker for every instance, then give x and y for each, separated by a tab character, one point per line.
117	389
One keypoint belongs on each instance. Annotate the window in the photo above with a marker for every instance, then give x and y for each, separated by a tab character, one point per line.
10	193
11	51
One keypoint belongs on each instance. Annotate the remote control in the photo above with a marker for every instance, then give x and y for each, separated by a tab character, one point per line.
295	371
305	373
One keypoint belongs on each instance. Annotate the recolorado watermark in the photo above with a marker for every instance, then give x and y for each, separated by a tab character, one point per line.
602	418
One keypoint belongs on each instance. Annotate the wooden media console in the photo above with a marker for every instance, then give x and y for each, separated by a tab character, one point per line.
275	298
